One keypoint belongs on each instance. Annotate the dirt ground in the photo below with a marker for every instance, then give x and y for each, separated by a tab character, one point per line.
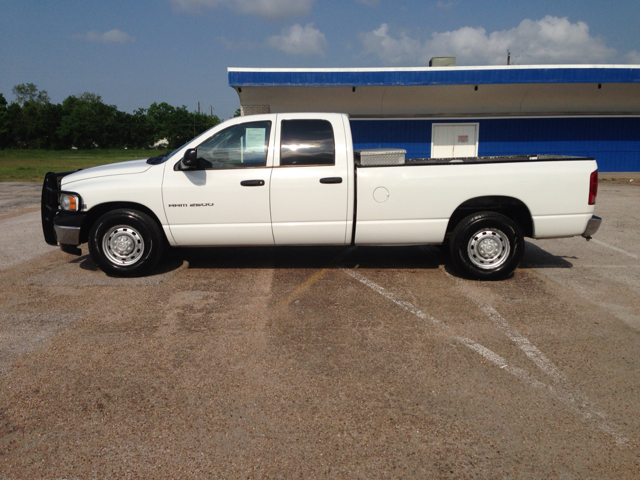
322	362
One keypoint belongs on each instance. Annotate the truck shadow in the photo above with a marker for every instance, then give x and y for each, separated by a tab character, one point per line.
423	257
309	257
395	257
536	257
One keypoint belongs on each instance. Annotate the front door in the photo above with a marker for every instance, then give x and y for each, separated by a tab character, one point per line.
225	201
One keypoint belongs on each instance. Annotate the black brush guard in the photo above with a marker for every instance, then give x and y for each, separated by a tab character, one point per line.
49	203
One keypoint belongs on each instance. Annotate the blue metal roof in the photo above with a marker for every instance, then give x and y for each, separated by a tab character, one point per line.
240	77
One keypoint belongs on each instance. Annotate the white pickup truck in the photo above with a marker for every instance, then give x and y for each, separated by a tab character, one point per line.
295	179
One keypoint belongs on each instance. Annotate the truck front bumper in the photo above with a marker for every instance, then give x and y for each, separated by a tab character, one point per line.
68	226
67	235
592	227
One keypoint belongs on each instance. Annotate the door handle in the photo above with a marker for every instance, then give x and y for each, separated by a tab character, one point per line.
331	180
252	183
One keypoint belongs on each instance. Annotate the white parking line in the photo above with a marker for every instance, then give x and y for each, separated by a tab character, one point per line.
619	250
580	407
565	391
530	350
475	346
623	267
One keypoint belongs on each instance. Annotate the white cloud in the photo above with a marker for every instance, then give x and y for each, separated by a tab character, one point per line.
268	9
112	36
633	57
196	6
297	40
390	50
551	40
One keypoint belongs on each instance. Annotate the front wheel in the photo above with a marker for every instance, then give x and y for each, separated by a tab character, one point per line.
126	242
487	246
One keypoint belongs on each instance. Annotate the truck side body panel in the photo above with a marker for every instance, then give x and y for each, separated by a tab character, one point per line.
137	186
422	198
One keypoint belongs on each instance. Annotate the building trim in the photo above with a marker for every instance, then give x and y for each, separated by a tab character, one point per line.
494	75
466	117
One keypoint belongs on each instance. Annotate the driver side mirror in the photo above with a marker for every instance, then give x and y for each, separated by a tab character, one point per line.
190	160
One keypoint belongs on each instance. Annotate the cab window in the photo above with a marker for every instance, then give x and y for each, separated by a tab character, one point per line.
307	142
239	146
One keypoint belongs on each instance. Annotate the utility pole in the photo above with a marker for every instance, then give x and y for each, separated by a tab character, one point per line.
198	106
508	57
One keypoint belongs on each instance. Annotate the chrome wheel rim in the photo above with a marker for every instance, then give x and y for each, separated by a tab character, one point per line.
123	245
488	249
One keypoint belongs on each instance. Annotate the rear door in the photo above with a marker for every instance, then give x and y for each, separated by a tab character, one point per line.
310	181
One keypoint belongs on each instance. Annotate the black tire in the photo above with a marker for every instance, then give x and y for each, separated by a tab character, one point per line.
126	243
487	246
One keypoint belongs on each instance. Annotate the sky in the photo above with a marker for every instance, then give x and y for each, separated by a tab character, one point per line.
136	52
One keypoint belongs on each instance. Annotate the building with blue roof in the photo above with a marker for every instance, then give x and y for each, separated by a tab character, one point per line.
583	110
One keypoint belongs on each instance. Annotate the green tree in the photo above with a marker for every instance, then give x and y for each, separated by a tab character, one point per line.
5	125
182	127
33	118
177	125
28	92
160	118
139	132
87	122
50	118
204	122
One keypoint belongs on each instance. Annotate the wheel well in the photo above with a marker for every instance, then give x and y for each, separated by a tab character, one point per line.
99	210
510	207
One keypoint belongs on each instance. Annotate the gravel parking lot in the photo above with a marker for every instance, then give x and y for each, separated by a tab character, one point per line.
321	362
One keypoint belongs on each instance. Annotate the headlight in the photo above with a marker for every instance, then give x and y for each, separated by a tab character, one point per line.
69	203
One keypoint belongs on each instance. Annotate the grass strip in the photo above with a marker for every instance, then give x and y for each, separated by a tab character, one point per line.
32	165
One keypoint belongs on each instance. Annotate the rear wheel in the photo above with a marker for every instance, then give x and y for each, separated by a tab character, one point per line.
126	242
487	246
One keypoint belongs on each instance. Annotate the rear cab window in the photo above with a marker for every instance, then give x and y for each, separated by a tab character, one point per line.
307	142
